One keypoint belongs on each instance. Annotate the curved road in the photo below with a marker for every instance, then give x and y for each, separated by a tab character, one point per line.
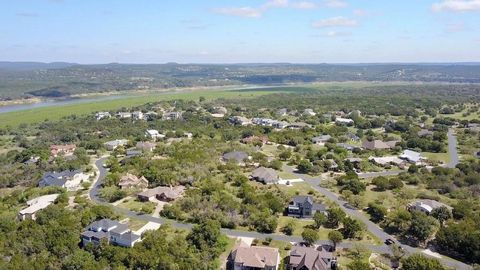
314	182
372	227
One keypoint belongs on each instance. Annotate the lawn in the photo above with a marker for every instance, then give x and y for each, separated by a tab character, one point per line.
441	157
58	112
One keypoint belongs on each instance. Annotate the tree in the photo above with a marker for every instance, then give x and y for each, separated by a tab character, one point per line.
351	228
358	265
310	236
289	228
355	186
304	166
207	236
442	214
319	218
377	211
420	262
334	217
335	237
285	155
381	183
422	226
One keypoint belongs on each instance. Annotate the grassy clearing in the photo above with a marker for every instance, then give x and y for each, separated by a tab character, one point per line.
441	157
57	112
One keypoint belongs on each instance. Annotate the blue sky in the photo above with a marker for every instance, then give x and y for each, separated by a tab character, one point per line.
239	31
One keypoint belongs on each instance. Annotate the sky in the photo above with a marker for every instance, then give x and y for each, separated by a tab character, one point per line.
240	31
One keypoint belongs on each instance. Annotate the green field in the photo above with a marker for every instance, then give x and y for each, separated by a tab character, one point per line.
57	112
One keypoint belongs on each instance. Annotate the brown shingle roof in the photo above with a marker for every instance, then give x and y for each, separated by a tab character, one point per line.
254	256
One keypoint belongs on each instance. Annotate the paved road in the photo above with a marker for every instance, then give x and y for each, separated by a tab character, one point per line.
102	172
452	149
372	227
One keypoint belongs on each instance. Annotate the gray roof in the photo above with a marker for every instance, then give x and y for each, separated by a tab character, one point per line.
237	156
57	178
265	175
102	229
321	138
302	199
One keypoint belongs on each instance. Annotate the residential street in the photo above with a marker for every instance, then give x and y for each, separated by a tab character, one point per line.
313	181
372	227
452	149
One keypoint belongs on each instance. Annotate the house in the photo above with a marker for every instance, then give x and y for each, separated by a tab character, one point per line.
36	205
282	112
304	207
378	144
154	134
306	258
150	115
280	124
321	140
426	206
132	181
220	110
102	115
63	149
265	175
344	121
388	160
112	145
346	146
425	133
70	180
165	194
309	112
254	257
240	121
172	116
133	153
32	160
137	115
353	137
252	139
412	156
238	157
145	146
111	231
298	125
124	115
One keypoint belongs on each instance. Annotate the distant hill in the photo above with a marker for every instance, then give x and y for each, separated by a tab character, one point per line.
20	79
22	66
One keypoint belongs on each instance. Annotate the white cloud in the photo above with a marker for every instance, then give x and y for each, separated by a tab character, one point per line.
255	12
303	5
335	3
337	34
335	22
456	5
248	12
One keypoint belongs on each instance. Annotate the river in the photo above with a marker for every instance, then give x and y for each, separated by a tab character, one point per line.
69	101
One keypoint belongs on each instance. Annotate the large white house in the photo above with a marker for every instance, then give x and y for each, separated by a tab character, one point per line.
36	205
154	134
71	180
